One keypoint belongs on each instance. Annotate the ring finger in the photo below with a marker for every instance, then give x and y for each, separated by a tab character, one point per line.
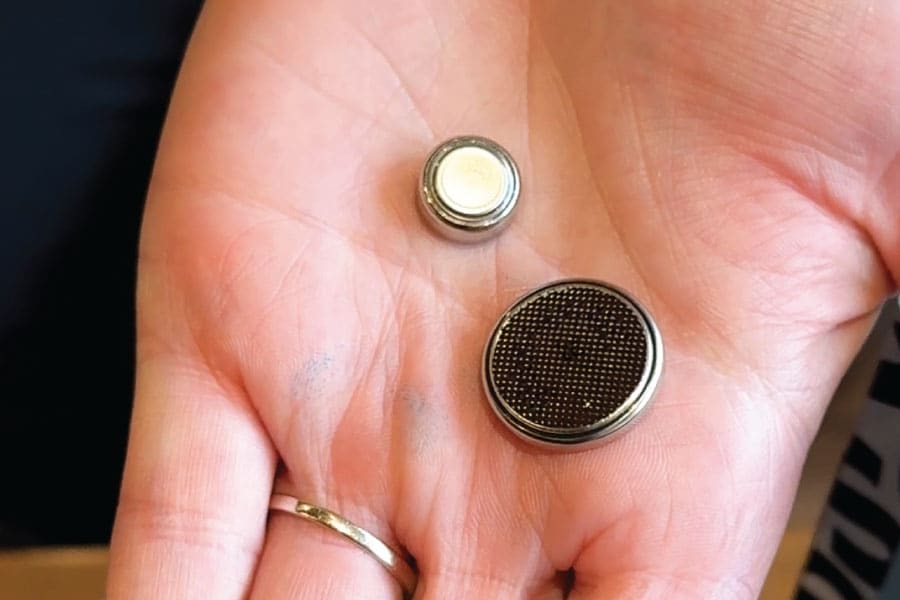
303	559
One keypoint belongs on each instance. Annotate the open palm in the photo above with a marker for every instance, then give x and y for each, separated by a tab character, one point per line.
730	164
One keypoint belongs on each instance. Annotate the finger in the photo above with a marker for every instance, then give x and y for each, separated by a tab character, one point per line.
199	472
680	530
484	540
302	559
652	584
489	566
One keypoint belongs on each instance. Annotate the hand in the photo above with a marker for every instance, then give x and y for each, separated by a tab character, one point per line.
733	165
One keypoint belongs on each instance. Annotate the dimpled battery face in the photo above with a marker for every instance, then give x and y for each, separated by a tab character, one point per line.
572	363
469	188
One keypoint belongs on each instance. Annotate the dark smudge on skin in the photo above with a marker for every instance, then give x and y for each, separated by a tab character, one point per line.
310	380
427	423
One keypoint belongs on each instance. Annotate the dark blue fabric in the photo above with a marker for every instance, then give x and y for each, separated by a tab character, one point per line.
83	91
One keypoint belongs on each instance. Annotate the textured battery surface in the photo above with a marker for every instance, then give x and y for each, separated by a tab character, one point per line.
568	357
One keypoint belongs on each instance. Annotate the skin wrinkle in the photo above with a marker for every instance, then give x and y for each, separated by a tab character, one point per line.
305	219
586	573
231	275
666	585
666	534
403	86
369	369
372	119
534	37
562	93
456	564
397	476
497	585
168	524
401	204
542	576
295	417
535	575
600	193
230	382
674	246
195	330
290	431
388	391
278	297
553	567
372	505
735	98
436	31
828	206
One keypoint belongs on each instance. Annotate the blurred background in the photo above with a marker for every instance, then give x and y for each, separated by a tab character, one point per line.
83	95
83	91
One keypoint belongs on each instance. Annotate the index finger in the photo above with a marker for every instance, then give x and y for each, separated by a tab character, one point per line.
198	476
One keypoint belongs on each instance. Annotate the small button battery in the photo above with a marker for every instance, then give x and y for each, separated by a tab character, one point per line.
469	188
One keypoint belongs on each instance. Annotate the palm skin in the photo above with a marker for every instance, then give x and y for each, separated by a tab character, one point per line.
733	166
